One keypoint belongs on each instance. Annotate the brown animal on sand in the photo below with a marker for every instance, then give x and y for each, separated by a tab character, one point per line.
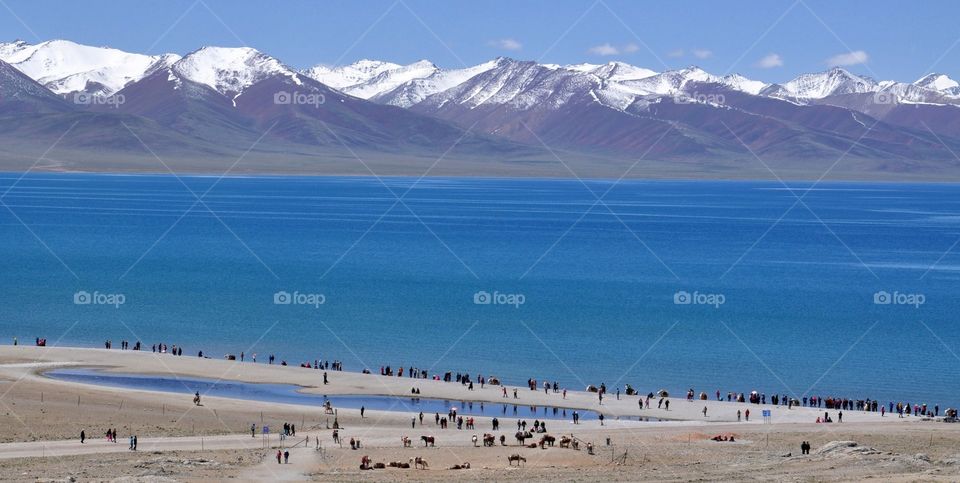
565	441
428	440
515	457
547	440
419	462
489	439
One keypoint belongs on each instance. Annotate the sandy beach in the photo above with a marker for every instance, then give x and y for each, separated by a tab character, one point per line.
177	440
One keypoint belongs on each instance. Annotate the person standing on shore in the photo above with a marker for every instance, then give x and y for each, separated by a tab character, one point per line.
83	436
362	410
134	442
325	381
738	415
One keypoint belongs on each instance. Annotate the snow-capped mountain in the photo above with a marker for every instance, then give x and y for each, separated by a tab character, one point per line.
343	76
613	71
229	70
940	83
391	79
216	96
65	67
822	84
415	90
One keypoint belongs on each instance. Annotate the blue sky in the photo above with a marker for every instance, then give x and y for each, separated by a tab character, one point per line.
767	40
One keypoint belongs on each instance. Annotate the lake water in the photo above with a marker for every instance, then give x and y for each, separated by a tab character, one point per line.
598	280
288	394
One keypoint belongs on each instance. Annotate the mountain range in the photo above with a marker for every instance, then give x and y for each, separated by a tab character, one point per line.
67	106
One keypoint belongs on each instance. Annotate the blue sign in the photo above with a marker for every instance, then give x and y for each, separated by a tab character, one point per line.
266	430
766	413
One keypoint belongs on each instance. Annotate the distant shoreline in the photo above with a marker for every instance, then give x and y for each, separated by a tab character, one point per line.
893	179
40	359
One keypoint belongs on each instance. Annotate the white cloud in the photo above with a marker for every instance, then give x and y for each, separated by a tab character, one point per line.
770	61
630	48
675	53
850	58
506	44
702	53
605	49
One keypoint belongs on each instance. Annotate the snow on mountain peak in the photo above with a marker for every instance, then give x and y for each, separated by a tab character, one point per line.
64	66
416	90
230	69
937	82
823	84
343	76
613	71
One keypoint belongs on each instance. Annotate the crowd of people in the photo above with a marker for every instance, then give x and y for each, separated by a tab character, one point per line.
902	409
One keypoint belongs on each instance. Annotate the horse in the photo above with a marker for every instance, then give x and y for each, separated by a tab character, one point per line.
419	462
196	400
489	439
522	436
515	457
547	440
565	441
406	442
474	439
503	440
428	440
464	466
